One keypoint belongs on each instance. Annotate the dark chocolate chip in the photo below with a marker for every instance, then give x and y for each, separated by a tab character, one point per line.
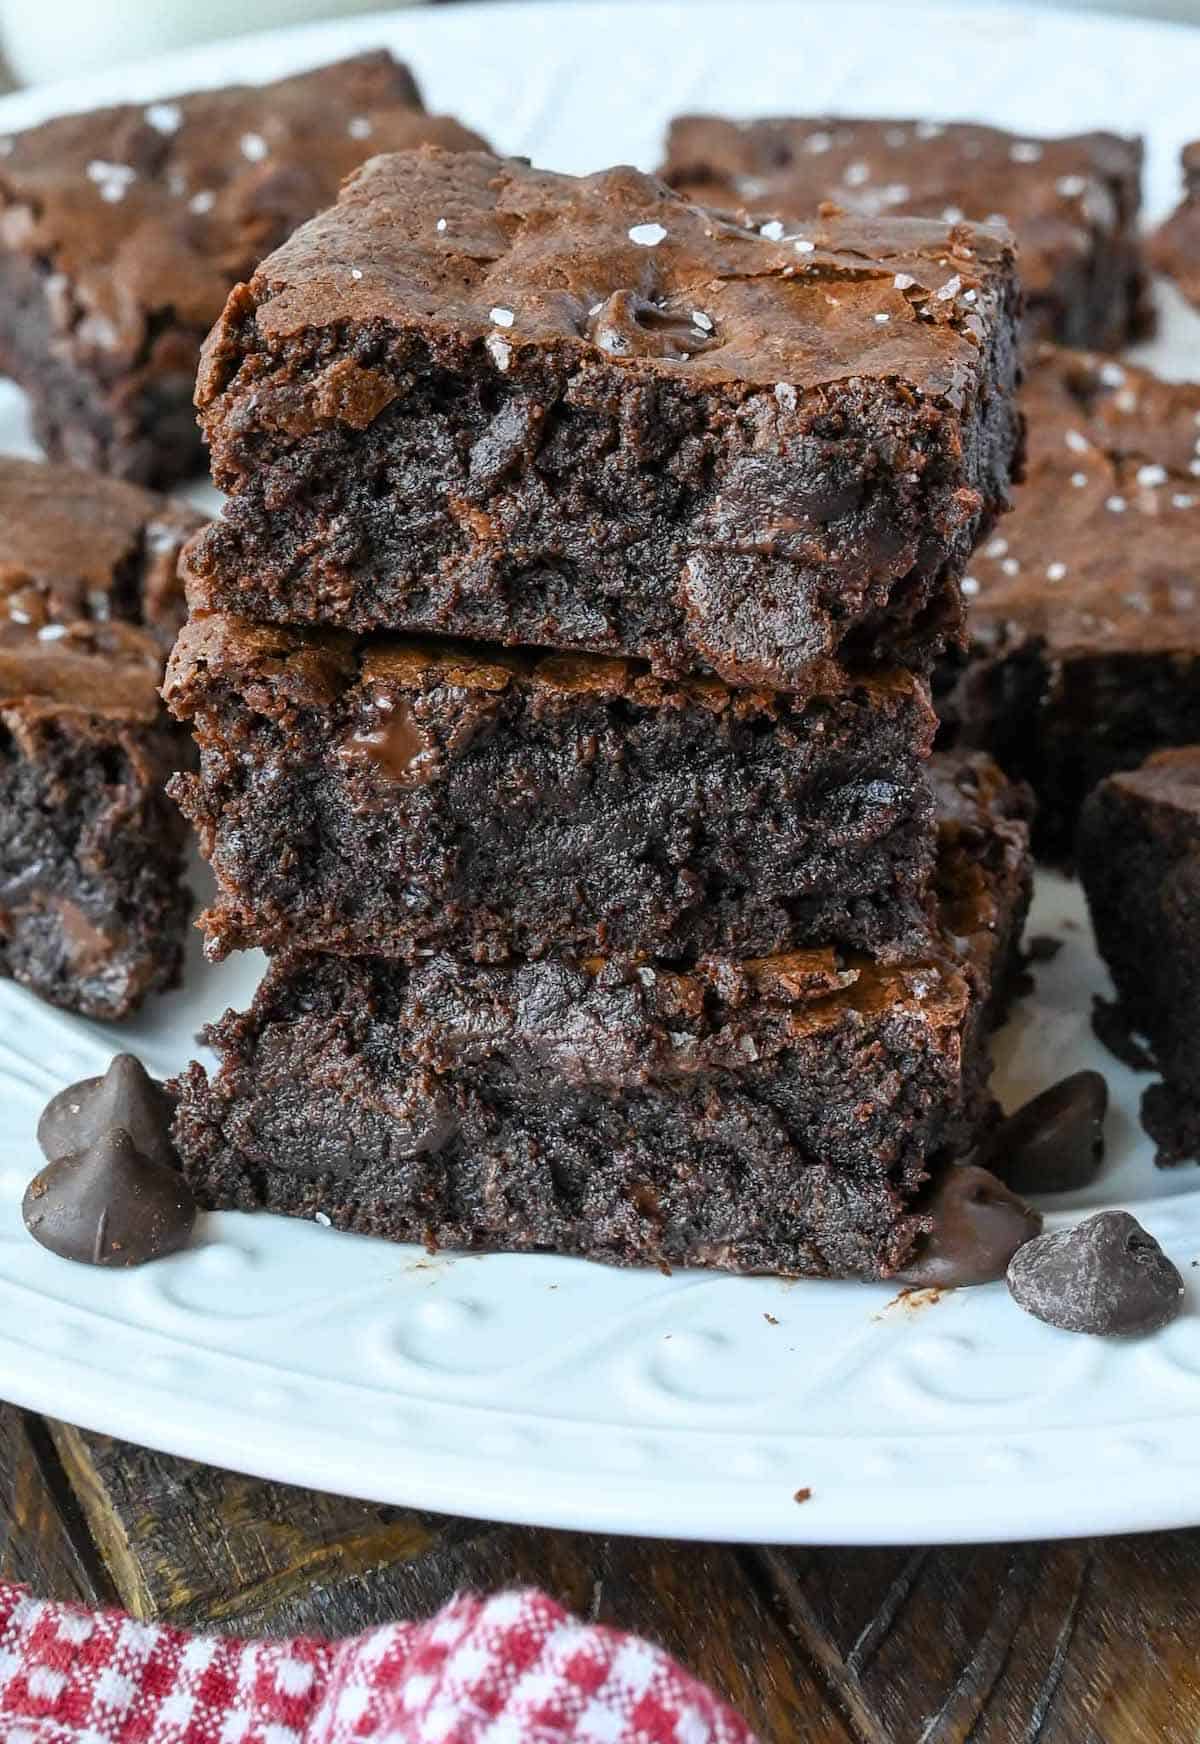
1043	947
1110	1027
1107	1275
109	1205
978	1226
125	1096
1054	1143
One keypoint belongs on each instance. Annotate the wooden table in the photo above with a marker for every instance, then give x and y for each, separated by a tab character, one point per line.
1081	1643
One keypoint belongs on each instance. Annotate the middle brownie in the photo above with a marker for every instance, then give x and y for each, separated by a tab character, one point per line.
393	798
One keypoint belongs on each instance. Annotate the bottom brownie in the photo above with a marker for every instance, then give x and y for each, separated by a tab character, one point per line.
1139	860
777	1114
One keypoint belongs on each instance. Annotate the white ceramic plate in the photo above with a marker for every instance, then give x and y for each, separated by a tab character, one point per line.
551	1391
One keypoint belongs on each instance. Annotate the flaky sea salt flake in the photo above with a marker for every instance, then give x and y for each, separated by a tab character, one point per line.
112	179
164	117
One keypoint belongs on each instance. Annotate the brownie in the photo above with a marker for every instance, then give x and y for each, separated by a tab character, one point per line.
75	546
777	1114
93	908
1174	248
1139	860
398	797
123	230
479	399
1084	610
1073	202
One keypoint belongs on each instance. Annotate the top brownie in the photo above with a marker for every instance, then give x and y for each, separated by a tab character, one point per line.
122	231
1073	202
484	400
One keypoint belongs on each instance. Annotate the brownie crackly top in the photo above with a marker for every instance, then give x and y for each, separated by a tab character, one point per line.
1070	201
162	206
1103	551
467	244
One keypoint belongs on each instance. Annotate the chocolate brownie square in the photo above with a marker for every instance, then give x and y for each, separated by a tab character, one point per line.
1072	202
1174	248
778	1114
479	399
1084	608
123	230
400	797
1139	859
92	903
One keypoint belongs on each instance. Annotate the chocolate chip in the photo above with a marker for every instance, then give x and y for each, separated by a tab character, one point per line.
109	1205
1107	1275
1043	947
125	1096
1054	1143
1109	1025
978	1226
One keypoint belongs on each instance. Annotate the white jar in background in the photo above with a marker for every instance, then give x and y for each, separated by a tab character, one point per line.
53	39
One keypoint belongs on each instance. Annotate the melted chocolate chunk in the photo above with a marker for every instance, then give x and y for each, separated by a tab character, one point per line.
626	325
1107	1275
1055	1142
109	1205
978	1226
399	746
127	1097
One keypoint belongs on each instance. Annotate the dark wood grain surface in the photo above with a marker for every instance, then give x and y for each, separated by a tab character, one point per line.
1077	1643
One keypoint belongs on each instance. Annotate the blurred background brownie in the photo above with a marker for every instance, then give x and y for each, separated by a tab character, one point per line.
1139	859
774	1115
1174	248
1073	203
1083	608
92	903
397	797
480	399
122	231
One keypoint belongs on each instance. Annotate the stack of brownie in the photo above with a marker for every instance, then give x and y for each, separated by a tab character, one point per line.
558	670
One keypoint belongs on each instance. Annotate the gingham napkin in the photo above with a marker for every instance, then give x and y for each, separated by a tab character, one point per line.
514	1669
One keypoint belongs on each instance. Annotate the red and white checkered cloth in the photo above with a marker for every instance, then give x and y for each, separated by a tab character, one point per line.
514	1669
